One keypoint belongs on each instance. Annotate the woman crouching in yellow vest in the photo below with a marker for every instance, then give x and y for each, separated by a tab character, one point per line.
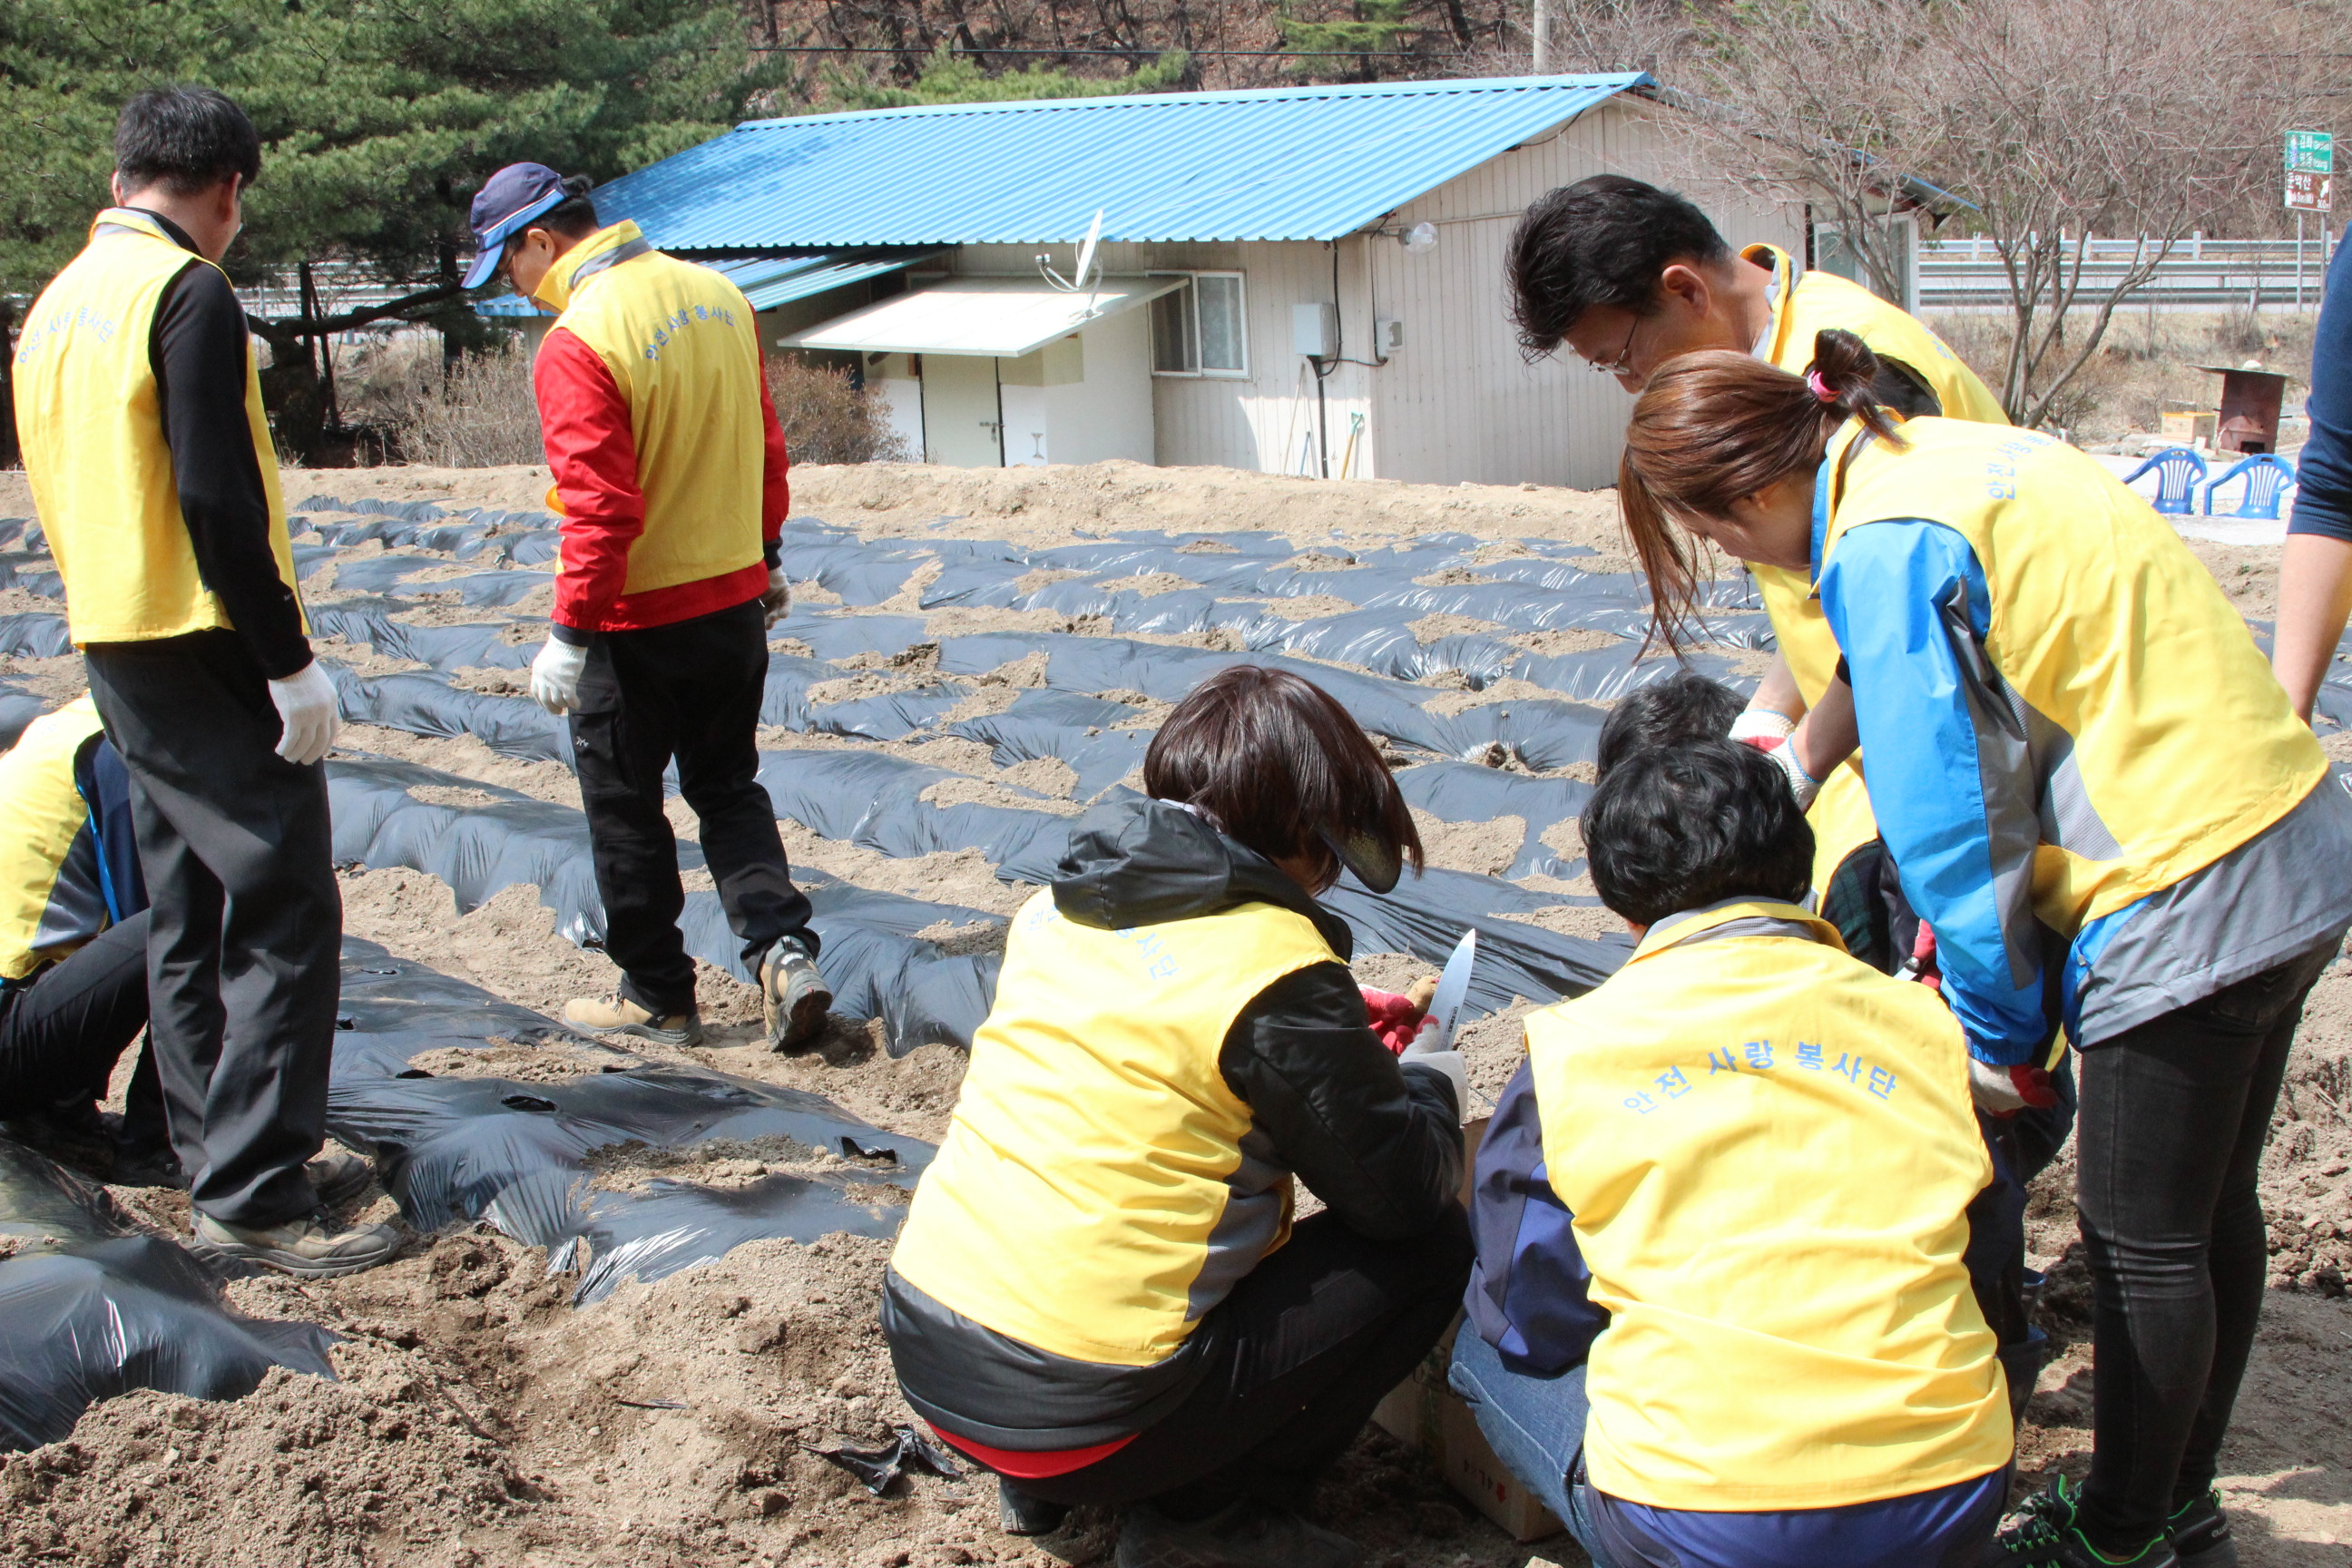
1100	1293
1723	1314
2096	793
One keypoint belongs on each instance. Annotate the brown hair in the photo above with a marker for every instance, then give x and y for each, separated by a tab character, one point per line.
1714	426
1279	765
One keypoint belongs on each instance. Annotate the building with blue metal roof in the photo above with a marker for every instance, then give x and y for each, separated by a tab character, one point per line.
1301	279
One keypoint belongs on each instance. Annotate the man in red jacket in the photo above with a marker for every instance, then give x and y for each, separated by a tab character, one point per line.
669	473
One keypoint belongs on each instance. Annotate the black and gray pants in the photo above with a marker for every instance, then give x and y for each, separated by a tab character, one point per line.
244	923
691	691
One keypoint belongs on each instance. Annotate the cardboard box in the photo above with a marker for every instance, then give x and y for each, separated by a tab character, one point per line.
1423	1413
2188	427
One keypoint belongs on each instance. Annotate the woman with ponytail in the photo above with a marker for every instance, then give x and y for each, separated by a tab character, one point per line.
2097	796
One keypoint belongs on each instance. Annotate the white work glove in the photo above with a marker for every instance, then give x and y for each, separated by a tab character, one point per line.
2006	1090
1769	732
555	677
1762	728
1423	1052
778	600
309	713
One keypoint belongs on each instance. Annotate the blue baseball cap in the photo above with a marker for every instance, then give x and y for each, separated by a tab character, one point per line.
504	208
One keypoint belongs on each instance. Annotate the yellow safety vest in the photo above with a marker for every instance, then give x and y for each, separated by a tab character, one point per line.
1094	1197
1768	1151
41	814
1805	303
2182	745
93	430
684	349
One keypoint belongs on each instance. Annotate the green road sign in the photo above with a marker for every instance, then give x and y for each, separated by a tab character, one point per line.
2311	151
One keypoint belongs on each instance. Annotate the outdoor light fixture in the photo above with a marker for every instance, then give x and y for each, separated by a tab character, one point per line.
1420	239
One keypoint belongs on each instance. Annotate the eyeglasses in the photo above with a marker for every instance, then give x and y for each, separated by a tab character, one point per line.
1623	361
508	249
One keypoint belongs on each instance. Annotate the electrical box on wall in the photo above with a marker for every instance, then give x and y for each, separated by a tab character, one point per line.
1388	337
1315	331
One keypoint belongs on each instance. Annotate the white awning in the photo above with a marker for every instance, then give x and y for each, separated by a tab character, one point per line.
1003	316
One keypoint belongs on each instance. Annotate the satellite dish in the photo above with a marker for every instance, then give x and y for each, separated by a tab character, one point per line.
1083	278
1087	249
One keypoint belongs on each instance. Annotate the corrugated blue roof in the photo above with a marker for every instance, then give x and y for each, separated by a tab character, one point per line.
1296	162
768	281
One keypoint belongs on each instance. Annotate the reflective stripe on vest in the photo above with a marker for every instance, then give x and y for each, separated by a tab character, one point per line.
683	347
89	414
1101	1186
1770	1149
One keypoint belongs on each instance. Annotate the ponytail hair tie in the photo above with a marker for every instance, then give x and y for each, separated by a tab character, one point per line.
1820	388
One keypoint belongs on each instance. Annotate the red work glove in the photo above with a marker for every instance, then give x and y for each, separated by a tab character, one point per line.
1395	1019
2004	1091
1923	967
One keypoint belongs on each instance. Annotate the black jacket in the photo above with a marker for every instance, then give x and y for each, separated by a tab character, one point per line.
1377	1141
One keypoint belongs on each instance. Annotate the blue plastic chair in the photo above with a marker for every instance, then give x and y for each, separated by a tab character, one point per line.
2179	472
2267	478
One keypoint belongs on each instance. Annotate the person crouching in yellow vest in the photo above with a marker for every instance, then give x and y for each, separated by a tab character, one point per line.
1100	1293
670	476
1629	277
149	454
1723	1314
2098	796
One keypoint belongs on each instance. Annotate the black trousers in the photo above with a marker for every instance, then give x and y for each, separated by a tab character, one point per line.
690	690
1303	1349
2173	1119
245	919
61	1035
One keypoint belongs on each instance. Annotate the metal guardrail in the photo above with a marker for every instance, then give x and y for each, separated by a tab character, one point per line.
2207	274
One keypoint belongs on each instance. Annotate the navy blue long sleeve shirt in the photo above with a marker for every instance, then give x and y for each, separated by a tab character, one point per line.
2323	503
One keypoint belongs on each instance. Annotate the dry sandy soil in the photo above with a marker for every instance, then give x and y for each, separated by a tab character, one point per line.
481	1420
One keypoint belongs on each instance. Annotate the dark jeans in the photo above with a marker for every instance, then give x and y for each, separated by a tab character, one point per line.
690	690
62	1032
1302	1349
1535	1427
2173	1119
245	920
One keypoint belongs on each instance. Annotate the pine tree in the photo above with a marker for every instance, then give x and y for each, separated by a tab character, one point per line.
379	120
952	77
1378	27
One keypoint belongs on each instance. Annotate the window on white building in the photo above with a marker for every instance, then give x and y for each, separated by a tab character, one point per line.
1200	329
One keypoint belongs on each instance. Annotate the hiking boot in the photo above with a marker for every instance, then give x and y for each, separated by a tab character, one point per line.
311	1246
2043	1533
1245	1534
1018	1513
2199	1532
793	995
616	1014
339	1178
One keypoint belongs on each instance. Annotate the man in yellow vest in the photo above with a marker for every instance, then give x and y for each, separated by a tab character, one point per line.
1629	275
140	410
670	476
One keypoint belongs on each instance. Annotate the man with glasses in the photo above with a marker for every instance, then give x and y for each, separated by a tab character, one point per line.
669	473
1628	277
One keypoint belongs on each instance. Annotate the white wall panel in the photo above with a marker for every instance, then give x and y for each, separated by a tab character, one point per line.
1459	402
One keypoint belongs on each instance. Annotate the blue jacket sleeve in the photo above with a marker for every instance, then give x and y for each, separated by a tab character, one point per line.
1950	771
105	786
2323	503
1528	1295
